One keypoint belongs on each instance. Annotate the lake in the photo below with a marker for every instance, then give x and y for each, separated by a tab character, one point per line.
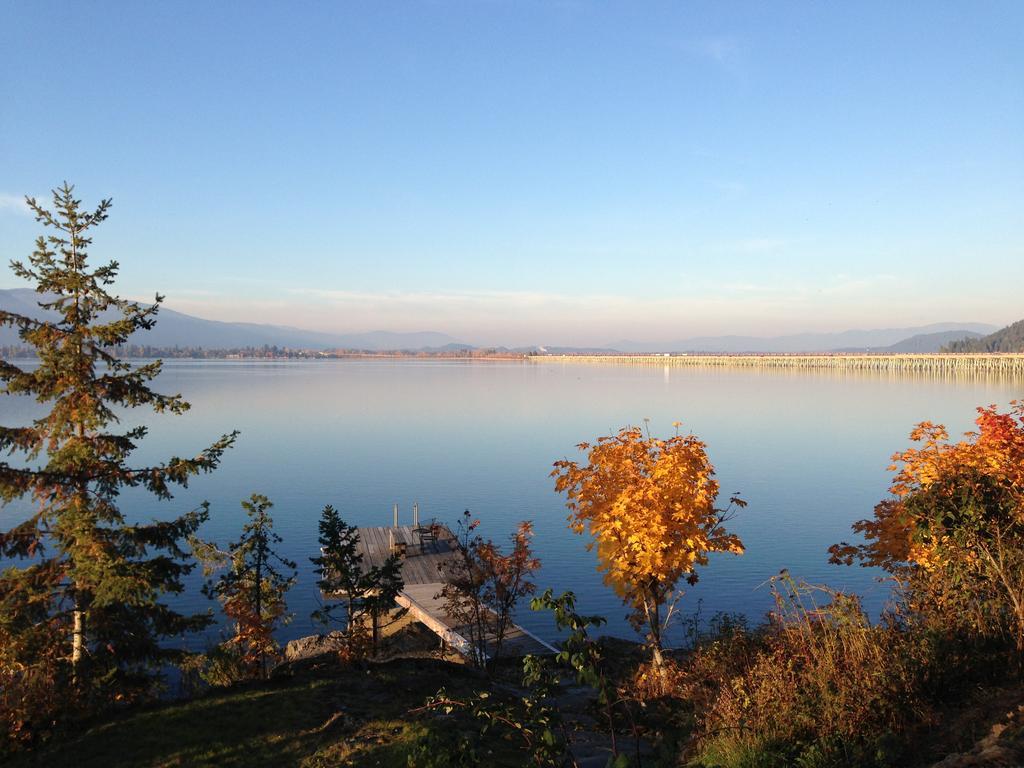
808	451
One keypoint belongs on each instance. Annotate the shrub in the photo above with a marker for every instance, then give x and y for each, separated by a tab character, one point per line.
952	531
27	710
224	665
819	685
483	586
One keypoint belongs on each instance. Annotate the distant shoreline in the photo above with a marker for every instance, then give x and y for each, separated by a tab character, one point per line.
995	362
278	353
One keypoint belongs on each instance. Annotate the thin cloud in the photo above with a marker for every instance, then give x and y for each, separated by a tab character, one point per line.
14	204
722	52
730	189
846	284
472	298
721	49
769	307
755	288
757	245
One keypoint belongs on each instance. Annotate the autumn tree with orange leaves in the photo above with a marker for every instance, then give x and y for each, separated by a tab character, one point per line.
483	585
953	529
649	505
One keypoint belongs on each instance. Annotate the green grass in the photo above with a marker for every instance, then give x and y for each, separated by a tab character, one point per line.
322	717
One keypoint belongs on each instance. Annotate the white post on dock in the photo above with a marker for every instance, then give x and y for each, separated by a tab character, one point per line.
391	540
396	516
415	514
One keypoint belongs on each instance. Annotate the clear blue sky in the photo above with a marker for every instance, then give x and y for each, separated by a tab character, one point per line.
533	172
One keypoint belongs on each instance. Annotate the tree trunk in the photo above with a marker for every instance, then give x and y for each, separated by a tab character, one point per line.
652	608
659	659
259	600
653	615
77	640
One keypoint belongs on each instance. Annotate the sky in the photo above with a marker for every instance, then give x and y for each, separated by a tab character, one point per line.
526	172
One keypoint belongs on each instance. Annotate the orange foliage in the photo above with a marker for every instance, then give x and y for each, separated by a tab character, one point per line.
510	573
649	505
254	630
953	529
900	533
482	586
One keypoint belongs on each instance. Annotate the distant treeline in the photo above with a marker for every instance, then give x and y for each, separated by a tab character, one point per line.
266	352
147	351
1008	339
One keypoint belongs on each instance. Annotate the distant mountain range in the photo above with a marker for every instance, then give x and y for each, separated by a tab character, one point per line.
1008	339
176	329
922	343
931	342
857	340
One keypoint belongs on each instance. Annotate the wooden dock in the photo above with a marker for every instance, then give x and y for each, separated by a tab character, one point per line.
422	566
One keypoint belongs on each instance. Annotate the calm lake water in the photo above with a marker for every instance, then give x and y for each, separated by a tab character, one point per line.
808	451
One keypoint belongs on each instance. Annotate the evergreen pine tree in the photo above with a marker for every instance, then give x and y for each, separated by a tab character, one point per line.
362	592
85	601
252	588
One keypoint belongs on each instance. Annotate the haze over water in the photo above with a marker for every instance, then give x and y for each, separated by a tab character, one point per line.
807	451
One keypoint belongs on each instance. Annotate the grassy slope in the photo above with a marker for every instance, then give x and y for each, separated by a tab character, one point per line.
319	717
325	716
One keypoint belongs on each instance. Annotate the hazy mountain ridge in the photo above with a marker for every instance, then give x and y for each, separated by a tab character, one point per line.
859	339
176	329
1008	339
922	343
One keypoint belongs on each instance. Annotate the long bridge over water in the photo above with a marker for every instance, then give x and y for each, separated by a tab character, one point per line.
973	364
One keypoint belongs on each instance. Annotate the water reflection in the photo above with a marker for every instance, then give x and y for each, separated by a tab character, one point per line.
807	449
